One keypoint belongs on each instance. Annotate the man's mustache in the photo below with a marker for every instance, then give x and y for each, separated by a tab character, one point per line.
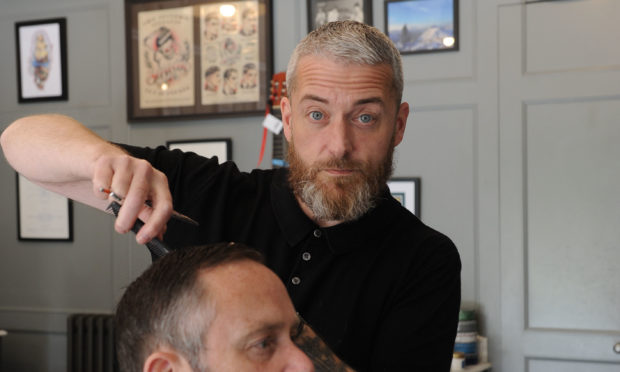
340	164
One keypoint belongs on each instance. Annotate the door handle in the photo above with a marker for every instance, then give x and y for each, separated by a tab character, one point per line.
617	348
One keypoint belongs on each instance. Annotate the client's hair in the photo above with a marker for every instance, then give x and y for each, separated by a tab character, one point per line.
163	305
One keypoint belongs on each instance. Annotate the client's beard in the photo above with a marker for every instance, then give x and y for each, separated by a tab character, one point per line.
339	198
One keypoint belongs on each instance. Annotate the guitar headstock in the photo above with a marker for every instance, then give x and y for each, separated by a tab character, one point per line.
278	89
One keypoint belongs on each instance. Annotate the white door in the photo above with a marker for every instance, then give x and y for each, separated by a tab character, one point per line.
559	110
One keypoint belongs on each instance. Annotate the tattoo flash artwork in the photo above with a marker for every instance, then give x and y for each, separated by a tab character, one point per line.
166	57
229	53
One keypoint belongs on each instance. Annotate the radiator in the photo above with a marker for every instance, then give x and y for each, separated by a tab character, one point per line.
90	343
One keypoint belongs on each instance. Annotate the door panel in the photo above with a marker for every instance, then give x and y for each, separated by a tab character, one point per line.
574	35
537	365
559	186
573	215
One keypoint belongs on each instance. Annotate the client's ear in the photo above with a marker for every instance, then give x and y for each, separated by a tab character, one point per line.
165	361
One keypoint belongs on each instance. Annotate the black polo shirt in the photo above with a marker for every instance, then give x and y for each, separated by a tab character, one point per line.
383	291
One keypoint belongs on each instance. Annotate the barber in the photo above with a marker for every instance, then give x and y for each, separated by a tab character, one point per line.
381	288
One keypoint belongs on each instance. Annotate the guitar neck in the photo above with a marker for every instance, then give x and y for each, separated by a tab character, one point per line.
278	153
280	146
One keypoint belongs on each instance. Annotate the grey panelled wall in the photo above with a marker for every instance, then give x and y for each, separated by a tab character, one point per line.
452	142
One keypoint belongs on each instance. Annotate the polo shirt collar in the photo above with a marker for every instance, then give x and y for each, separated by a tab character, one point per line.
341	238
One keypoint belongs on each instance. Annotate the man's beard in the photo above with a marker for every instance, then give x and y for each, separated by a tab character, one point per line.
339	198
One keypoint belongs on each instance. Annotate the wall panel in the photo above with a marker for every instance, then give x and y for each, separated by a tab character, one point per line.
560	36
572	181
34	352
542	365
88	37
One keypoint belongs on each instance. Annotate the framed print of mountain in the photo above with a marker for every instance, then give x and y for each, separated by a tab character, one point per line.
422	26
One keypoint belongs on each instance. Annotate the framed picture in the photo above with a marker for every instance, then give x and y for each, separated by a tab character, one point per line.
42	214
407	192
422	26
191	58
220	147
324	11
41	60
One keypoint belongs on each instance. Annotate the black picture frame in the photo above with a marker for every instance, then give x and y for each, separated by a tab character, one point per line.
423	26
319	11
407	191
41	214
186	60
41	50
207	147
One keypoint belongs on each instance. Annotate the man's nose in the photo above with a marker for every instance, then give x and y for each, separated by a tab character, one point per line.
339	137
298	361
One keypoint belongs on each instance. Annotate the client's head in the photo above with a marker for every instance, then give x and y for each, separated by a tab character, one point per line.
209	308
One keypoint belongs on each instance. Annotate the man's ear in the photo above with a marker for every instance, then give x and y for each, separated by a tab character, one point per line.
285	107
165	361
401	122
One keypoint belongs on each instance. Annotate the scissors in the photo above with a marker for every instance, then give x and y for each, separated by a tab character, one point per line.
157	247
176	215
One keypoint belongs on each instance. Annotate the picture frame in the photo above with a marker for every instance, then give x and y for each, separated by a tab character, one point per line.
407	192
41	214
41	60
197	58
220	147
422	26
323	11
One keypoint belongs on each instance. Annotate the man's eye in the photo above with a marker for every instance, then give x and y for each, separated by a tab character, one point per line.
262	350
264	345
365	118
316	115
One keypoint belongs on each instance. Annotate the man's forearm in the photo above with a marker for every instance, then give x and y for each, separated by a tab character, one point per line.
62	155
56	152
322	357
51	148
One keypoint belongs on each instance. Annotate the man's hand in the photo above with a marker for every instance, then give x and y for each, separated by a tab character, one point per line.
136	181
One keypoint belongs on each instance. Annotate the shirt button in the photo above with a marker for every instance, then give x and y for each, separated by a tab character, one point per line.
306	256
296	280
317	233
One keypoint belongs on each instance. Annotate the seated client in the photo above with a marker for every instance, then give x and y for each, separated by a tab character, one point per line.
208	308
